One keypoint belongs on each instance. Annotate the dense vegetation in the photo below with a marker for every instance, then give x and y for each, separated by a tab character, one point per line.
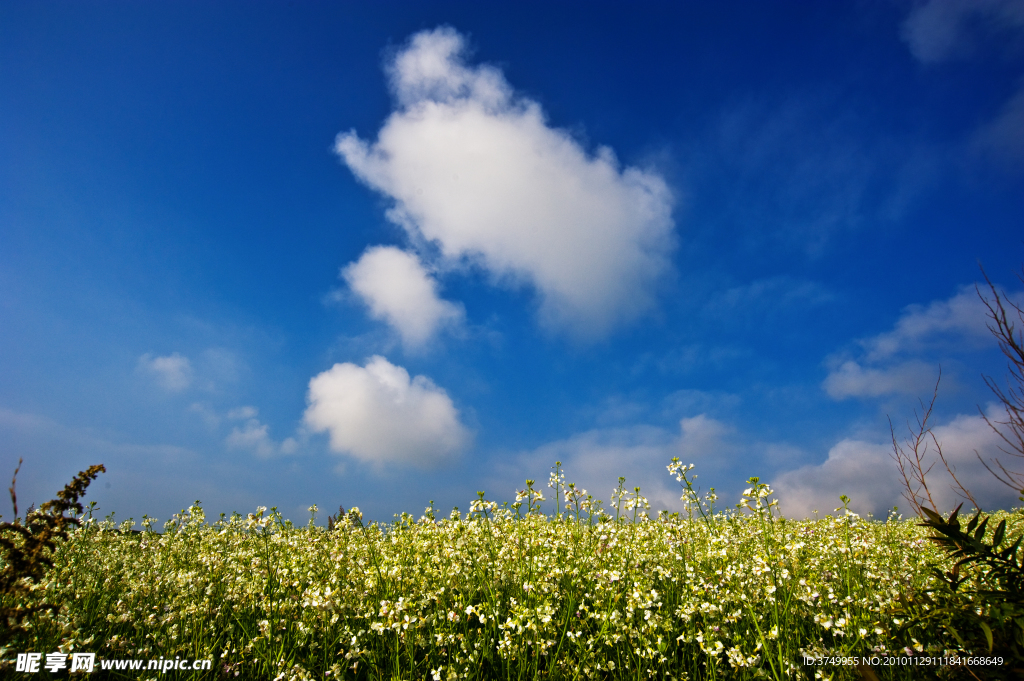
505	592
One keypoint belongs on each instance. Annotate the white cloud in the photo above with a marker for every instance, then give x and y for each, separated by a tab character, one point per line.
379	415
962	317
861	470
890	361
939	30
865	472
850	379
701	435
960	438
475	170
254	436
172	372
398	290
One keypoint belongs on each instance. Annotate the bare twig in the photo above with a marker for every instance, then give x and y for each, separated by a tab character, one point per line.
1011	343
911	461
958	486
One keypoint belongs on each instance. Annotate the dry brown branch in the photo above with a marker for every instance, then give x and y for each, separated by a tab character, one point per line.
911	462
1011	343
957	486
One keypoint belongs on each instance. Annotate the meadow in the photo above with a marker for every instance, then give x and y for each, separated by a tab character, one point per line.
503	592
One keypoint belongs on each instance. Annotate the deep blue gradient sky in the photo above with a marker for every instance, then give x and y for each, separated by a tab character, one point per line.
786	233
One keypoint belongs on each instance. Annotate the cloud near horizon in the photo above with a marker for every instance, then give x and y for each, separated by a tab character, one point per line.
595	459
379	415
475	171
866	472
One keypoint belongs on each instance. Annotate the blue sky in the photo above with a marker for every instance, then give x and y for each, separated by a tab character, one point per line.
379	254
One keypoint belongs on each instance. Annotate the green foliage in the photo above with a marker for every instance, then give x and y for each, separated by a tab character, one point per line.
979	601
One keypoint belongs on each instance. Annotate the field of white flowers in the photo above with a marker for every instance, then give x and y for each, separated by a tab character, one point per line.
503	592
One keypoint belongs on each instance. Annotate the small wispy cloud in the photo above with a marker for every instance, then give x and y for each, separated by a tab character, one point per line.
171	372
943	30
850	379
777	292
398	290
254	436
798	173
241	413
892	362
1003	136
207	413
940	30
959	319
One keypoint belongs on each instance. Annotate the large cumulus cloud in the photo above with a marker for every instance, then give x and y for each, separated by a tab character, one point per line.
476	171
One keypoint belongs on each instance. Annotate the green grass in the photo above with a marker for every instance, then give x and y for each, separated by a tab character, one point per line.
503	592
